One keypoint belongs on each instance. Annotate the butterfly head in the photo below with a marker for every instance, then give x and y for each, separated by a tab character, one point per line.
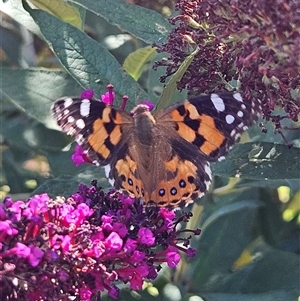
139	110
142	112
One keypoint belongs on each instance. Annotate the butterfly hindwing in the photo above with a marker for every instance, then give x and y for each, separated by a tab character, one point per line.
187	176
126	175
97	127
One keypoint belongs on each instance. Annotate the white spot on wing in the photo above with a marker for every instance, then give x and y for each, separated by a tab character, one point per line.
107	171
238	97
68	102
207	170
71	119
71	131
243	106
79	139
207	184
85	107
95	161
240	113
229	119
217	102
80	123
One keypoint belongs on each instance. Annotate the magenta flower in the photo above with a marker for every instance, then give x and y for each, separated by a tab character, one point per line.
79	157
87	94
84	245
109	96
146	237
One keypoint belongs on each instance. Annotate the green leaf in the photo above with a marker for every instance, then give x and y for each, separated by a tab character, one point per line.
60	8
145	24
65	185
155	87
170	88
136	61
28	134
61	186
272	270
34	90
263	160
86	60
275	295
225	234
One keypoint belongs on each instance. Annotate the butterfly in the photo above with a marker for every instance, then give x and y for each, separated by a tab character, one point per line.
161	158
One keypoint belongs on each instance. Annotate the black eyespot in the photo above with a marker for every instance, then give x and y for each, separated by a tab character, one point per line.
191	179
143	192
182	183
123	178
161	192
130	182
173	191
137	189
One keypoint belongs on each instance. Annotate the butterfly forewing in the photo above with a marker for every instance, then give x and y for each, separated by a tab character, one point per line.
214	122
97	127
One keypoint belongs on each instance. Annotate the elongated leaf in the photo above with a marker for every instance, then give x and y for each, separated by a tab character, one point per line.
221	243
86	60
167	94
155	87
145	24
34	90
61	186
60	8
263	160
65	185
275	295
272	270
136	61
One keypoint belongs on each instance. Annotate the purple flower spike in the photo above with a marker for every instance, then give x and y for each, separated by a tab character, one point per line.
86	244
255	43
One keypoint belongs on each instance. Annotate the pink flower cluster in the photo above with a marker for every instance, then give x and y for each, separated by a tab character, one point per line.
84	245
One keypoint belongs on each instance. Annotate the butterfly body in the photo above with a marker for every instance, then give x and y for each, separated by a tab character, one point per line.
161	158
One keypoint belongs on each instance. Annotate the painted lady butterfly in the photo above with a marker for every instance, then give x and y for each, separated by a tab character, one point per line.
161	158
